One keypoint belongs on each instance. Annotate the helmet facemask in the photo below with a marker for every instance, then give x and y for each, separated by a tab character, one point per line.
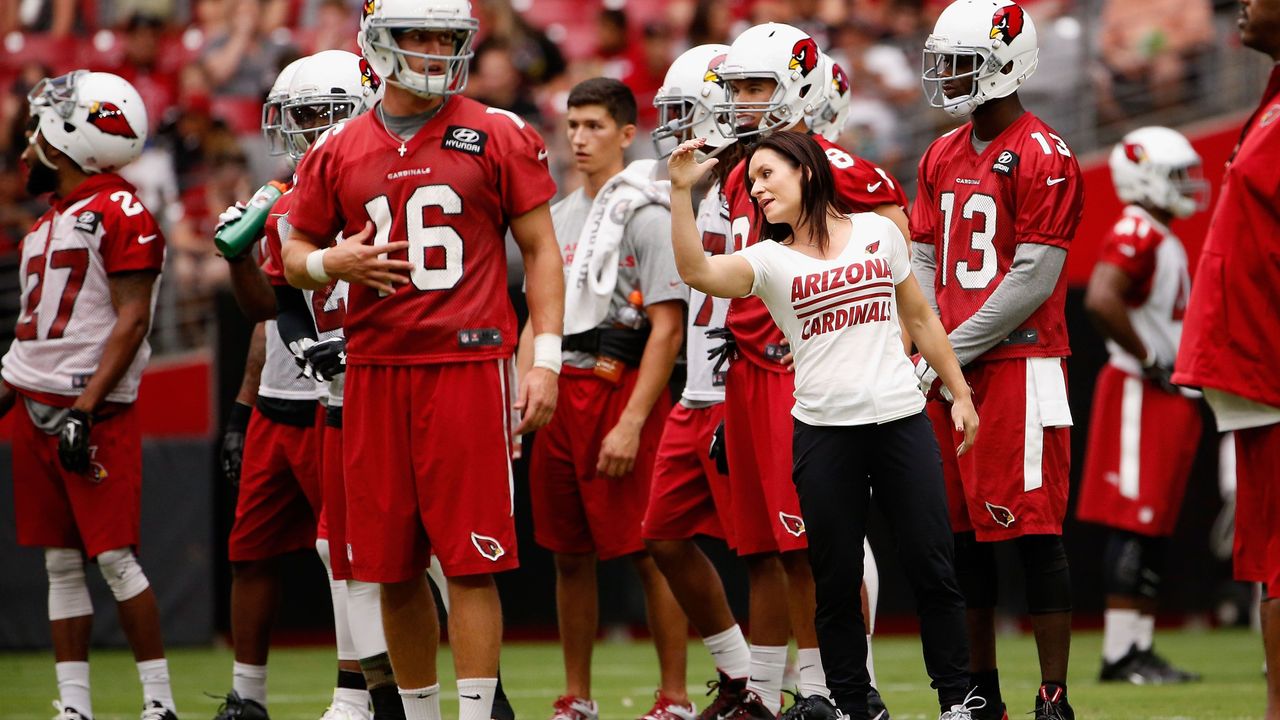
392	62
272	121
306	118
675	122
956	65
775	114
1188	191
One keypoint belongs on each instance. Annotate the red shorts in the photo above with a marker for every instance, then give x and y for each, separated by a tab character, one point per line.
279	500
1014	480
427	467
1134	475
758	431
576	509
333	518
688	495
94	512
1257	547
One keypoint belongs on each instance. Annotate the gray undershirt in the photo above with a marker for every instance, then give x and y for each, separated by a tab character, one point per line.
979	145
406	126
1029	282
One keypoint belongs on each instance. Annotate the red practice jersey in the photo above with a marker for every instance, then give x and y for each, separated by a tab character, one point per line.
100	229
976	208
861	184
463	176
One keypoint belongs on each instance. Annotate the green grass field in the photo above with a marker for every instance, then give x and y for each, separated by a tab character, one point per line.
625	674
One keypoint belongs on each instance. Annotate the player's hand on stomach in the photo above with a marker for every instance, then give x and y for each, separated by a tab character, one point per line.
965	419
356	261
619	448
536	400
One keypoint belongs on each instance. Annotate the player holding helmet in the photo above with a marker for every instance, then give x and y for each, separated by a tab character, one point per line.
998	203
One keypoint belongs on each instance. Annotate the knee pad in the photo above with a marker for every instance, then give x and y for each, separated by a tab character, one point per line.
68	593
322	549
1048	578
364	614
123	574
976	571
1155	554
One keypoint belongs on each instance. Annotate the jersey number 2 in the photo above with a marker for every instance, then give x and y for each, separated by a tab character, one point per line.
76	260
422	237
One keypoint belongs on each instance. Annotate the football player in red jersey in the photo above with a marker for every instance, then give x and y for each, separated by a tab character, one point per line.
999	200
1230	342
1133	479
423	189
777	77
90	267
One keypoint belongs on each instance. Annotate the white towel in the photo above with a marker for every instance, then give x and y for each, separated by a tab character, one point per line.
593	276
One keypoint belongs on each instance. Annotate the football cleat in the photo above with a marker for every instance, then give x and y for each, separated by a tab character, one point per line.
964	711
1051	704
1167	673
345	711
810	707
568	707
875	706
154	710
728	692
502	709
235	707
751	707
66	712
664	709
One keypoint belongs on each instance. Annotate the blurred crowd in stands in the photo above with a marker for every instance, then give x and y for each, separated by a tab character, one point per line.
204	66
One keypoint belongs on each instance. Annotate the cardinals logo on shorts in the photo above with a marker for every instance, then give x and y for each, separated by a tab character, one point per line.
713	70
839	81
1007	23
488	547
804	56
368	77
1001	515
792	523
110	119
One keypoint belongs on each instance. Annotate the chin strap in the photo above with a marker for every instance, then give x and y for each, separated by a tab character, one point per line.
35	143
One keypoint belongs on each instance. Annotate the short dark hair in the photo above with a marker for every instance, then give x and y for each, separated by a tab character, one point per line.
614	96
818	198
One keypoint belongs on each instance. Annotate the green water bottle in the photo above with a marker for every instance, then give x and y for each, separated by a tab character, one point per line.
241	233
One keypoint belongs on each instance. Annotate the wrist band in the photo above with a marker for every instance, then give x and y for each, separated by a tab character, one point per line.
315	266
546	352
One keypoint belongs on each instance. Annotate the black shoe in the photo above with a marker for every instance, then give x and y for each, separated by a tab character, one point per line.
810	707
155	710
751	707
1163	669
875	706
1134	668
728	692
502	709
1053	705
238	708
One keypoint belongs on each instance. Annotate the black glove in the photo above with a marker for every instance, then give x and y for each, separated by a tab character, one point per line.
1161	375
721	354
73	441
327	358
233	442
718	452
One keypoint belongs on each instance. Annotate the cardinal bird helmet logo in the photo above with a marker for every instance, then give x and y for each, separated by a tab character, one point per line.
1007	23
110	119
804	56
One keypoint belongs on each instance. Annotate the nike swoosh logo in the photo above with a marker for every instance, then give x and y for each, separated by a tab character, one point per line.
1054	181
144	239
469	697
875	187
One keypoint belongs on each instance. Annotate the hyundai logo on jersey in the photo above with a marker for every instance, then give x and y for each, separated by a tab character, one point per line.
464	139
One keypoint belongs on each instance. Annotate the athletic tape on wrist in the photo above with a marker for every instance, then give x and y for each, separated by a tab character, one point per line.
546	352
315	266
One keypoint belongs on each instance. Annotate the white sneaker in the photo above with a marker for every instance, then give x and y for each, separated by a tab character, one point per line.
964	711
154	710
344	711
67	713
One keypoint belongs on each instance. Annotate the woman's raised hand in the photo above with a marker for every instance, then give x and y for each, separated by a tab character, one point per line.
683	167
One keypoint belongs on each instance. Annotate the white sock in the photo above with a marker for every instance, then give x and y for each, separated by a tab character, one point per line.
1118	634
871	663
352	697
154	675
813	679
475	698
768	663
73	685
1144	630
730	652
364	616
421	704
250	682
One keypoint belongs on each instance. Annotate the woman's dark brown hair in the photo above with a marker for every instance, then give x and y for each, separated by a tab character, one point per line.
818	198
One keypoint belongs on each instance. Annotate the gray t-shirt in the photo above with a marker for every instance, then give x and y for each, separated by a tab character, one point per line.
645	259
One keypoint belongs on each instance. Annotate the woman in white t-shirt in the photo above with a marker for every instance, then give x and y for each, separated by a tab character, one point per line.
836	283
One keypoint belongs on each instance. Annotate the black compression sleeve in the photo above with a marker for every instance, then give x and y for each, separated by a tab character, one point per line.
293	320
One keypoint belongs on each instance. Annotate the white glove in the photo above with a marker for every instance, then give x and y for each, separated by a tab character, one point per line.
230	215
299	349
927	377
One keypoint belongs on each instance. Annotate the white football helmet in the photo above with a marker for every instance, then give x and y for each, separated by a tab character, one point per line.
686	100
829	117
328	87
782	53
972	43
95	118
1157	166
271	109
382	19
